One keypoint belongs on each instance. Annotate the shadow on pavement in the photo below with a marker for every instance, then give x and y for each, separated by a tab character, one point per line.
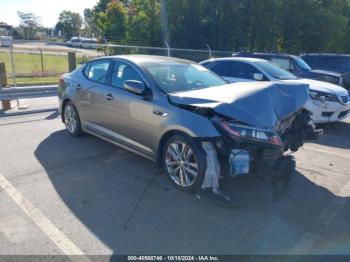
336	135
27	112
132	209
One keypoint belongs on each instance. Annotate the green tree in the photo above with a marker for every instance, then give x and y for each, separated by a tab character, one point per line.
254	25
144	25
113	22
69	23
29	24
101	6
90	22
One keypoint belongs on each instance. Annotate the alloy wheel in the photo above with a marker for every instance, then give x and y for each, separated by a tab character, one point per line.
70	119
181	163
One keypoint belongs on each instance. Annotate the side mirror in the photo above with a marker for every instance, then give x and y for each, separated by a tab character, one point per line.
134	86
258	76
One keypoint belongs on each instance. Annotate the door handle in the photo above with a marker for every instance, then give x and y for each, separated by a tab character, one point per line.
77	86
109	97
158	112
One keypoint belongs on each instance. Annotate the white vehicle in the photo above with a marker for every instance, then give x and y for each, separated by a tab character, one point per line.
328	102
6	41
74	42
89	43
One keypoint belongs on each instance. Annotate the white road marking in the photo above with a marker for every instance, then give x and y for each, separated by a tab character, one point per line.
62	242
336	205
305	244
331	211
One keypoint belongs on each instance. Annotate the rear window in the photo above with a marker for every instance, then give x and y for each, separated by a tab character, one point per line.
97	71
221	68
346	63
328	62
310	60
332	63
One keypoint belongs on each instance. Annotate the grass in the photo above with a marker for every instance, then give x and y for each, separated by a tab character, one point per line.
34	80
31	63
29	68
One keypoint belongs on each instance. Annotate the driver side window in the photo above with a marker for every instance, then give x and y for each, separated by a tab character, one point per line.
122	72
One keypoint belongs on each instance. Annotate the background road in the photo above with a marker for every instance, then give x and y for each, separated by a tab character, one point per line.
43	45
105	200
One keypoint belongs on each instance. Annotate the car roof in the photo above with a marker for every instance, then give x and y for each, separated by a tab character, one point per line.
140	59
263	54
238	58
324	54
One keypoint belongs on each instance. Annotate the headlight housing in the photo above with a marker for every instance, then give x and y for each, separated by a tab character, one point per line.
252	134
323	96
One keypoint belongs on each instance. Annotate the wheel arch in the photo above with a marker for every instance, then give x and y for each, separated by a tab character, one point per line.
64	102
163	140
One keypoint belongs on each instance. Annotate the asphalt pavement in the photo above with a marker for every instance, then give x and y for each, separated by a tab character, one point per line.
65	195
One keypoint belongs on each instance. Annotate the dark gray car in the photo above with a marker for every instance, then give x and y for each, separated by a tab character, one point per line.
182	116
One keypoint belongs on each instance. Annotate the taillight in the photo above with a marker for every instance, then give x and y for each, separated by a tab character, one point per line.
61	81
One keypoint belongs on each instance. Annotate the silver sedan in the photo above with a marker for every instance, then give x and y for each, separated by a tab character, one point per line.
183	116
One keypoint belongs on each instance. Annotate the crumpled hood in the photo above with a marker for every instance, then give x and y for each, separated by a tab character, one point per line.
321	86
259	104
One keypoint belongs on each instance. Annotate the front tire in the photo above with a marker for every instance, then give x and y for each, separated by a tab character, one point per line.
72	119
184	162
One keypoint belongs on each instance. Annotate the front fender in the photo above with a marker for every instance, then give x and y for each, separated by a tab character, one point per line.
182	120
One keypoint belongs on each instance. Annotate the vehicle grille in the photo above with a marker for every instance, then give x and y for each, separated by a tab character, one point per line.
344	99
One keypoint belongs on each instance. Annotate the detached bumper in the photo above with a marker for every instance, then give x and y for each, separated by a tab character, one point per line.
326	112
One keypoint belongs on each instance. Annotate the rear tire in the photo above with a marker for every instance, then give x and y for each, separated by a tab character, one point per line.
72	119
184	162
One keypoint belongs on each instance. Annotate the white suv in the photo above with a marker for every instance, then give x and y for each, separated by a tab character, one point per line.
328	102
89	43
74	42
6	41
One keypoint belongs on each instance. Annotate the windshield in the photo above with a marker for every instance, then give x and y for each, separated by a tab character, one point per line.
302	64
275	71
177	77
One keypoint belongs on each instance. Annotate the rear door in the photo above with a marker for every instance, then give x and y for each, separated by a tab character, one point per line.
233	71
221	68
92	90
121	116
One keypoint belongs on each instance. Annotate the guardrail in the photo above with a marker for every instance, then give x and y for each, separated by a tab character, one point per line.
13	93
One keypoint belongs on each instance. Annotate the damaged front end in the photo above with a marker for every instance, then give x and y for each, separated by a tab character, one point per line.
244	150
258	123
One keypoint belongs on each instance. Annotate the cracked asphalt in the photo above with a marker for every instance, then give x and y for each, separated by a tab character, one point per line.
85	195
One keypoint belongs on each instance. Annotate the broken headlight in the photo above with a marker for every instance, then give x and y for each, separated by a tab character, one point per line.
252	134
323	96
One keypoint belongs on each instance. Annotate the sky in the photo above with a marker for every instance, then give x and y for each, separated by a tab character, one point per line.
47	10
